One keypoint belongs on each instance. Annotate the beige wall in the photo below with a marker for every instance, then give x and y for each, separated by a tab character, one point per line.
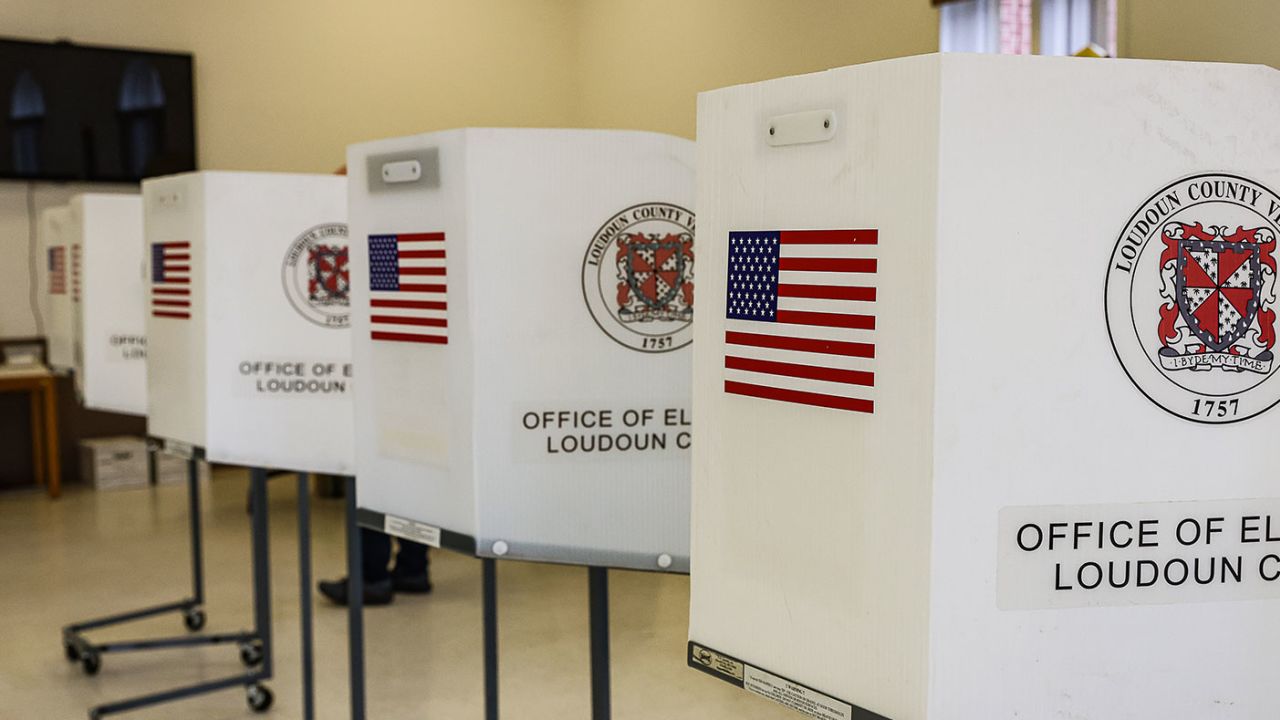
642	62
1209	30
287	84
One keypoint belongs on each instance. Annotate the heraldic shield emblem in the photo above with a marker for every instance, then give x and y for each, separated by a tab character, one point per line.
316	276
329	279
1191	298
1217	309
655	277
637	277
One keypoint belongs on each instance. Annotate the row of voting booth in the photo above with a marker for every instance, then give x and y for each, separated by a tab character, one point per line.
980	388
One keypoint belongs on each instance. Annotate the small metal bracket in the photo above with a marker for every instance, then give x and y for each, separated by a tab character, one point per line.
416	168
801	128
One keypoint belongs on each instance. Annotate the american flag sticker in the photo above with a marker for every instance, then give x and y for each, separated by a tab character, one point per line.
58	270
171	280
407	299
800	317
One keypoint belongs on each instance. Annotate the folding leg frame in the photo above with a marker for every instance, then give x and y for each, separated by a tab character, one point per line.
255	645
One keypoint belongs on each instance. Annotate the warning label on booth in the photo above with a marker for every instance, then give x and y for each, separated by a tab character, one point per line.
1066	556
789	693
797	697
411	530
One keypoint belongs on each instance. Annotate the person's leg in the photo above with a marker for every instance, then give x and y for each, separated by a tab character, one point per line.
411	572
375	555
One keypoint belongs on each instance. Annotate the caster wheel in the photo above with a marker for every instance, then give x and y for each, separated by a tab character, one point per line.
73	653
193	619
259	697
91	663
251	654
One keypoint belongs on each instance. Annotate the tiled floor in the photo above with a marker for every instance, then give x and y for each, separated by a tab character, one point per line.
93	553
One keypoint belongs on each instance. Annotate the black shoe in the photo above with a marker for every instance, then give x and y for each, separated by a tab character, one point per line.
411	584
377	593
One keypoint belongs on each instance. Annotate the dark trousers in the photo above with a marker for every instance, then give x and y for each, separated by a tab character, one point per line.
411	560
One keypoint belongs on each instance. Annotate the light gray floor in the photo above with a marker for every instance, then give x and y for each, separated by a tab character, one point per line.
93	553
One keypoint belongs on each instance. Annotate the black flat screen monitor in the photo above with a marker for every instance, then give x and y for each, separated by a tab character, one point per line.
78	112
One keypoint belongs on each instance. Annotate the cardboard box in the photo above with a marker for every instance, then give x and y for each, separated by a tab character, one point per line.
983	390
249	350
522	302
109	328
113	462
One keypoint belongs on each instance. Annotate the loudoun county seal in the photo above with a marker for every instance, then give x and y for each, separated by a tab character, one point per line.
1191	298
637	277
316	279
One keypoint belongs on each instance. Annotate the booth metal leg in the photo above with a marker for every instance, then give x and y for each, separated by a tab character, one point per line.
255	647
598	581
79	649
355	605
304	596
261	566
489	569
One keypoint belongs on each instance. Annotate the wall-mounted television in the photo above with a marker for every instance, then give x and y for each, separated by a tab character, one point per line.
80	112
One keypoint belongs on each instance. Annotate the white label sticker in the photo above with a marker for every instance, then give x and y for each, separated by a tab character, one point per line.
797	697
126	347
1065	556
566	433
411	530
291	378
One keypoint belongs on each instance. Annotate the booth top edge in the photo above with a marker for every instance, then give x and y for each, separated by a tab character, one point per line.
946	60
81	198
469	133
236	174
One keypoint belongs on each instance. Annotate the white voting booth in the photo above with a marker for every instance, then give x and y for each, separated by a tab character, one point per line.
109	329
247	318
57	283
983	390
522	302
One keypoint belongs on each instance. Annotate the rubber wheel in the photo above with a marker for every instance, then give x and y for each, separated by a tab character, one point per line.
193	619
259	697
91	663
251	654
73	653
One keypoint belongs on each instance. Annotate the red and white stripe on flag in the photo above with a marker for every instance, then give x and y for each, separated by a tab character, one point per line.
407	288
58	270
171	280
1015	27
801	316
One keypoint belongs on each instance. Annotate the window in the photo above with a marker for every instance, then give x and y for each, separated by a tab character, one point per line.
1067	27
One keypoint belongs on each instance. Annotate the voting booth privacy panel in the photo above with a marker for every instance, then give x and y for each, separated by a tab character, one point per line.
522	305
247	318
58	284
109	338
984	390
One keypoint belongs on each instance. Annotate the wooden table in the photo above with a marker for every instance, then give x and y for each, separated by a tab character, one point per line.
40	384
